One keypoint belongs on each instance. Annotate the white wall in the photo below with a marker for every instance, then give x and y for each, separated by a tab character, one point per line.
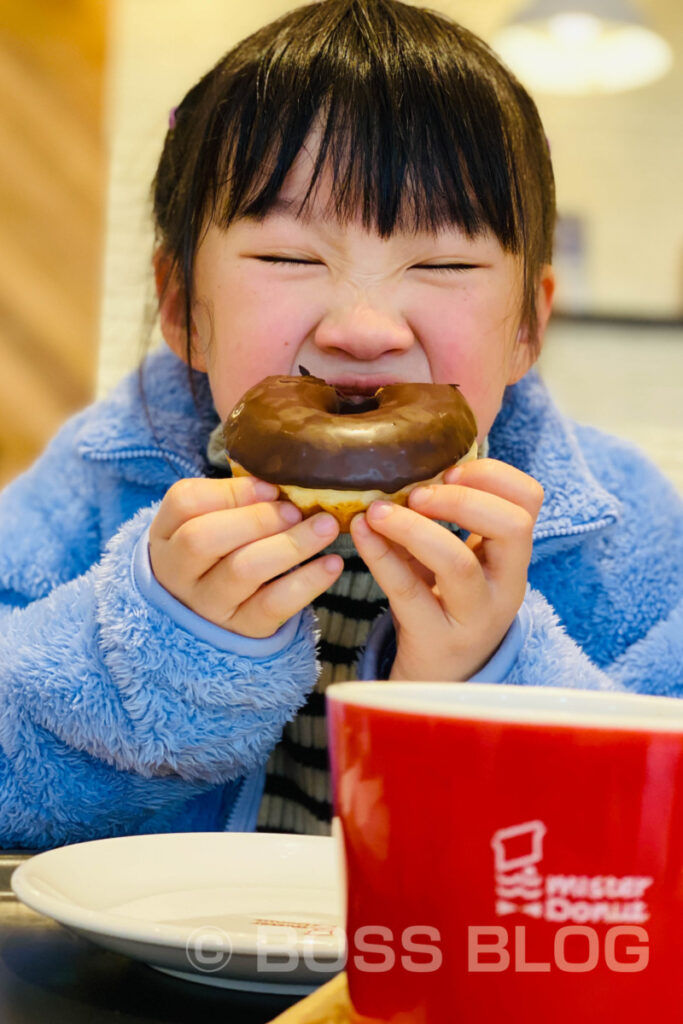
619	165
626	380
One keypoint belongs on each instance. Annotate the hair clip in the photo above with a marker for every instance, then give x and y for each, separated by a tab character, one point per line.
171	117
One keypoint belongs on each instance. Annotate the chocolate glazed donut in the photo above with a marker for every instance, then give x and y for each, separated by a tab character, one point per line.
328	450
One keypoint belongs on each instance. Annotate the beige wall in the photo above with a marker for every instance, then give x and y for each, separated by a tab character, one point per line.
52	189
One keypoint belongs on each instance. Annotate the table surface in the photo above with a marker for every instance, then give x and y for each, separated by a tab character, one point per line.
49	974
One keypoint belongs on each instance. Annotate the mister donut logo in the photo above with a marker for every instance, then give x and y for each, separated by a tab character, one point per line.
524	885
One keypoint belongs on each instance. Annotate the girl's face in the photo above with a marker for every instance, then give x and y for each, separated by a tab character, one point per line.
353	308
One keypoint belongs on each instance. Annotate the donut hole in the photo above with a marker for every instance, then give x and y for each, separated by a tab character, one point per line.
349	402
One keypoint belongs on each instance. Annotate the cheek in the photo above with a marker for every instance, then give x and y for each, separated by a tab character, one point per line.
266	320
483	390
485	404
473	352
255	332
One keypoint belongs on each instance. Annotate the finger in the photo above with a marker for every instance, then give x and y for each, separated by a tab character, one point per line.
239	575
410	597
499	478
274	603
457	570
198	544
495	519
414	564
196	497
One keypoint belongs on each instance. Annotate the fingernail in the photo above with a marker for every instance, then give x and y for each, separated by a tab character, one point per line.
380	509
264	490
421	495
360	525
451	476
333	563
324	525
290	513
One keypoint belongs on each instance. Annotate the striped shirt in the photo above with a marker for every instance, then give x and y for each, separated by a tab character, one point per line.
297	795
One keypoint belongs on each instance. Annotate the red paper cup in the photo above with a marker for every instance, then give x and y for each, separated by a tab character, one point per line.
512	853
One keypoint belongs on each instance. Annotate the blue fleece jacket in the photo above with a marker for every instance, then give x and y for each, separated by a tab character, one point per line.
123	712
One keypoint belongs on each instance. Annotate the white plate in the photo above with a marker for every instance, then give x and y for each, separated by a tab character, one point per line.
257	911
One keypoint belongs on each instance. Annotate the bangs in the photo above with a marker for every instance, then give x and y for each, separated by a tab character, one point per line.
412	138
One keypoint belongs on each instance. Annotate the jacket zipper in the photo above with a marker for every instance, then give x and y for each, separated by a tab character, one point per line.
573	531
246	802
145	453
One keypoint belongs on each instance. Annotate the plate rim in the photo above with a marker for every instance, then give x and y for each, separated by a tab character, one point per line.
105	923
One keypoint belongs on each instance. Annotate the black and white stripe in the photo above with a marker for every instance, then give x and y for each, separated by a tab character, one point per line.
297	795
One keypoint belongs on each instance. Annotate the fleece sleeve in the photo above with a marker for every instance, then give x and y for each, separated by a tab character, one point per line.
111	711
548	656
538	651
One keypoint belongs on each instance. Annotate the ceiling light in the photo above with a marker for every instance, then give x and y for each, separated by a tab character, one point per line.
582	46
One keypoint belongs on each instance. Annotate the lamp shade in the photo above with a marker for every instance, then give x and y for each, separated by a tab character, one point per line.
582	46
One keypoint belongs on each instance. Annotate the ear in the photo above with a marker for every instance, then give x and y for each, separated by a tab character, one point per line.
527	350
171	299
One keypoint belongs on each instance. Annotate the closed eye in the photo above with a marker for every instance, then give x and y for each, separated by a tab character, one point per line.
446	266
283	259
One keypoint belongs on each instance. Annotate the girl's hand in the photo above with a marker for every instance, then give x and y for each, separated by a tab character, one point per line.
225	548
452	601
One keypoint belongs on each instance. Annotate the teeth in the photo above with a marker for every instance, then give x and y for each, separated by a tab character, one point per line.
353	399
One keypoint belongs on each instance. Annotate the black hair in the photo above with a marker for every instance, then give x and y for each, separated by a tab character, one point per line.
421	126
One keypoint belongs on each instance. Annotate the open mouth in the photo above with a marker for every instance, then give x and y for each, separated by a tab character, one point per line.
355	394
354	391
351	400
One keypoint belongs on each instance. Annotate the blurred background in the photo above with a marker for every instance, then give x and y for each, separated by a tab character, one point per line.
86	90
53	175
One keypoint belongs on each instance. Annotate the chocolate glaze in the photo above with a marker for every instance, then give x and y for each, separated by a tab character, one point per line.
300	430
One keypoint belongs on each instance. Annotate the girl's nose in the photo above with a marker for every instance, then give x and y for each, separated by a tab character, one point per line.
364	332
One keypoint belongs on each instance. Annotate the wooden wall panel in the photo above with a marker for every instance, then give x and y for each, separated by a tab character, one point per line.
52	195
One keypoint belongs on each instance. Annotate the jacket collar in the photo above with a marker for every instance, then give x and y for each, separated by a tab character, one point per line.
168	438
532	434
150	424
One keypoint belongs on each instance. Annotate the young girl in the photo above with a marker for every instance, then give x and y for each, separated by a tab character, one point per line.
362	189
